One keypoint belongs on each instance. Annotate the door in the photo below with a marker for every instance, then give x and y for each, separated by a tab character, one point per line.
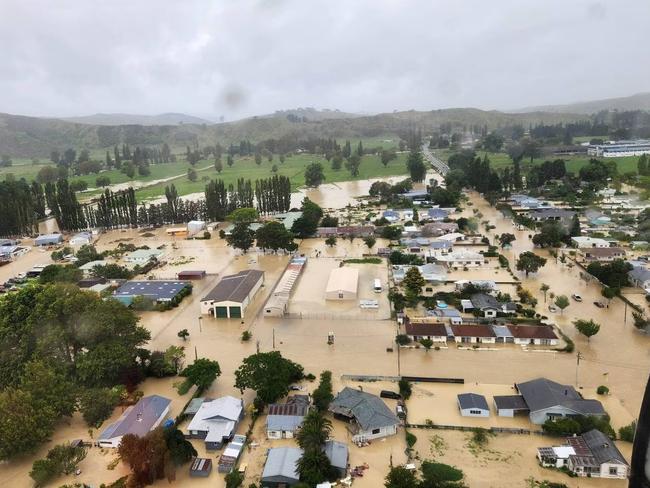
235	312
221	312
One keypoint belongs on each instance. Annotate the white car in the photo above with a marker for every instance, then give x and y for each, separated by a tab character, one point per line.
552	308
576	297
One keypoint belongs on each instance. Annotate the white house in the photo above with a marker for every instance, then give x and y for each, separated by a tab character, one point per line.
462	259
285	419
81	239
138	419
143	256
584	242
368	416
12	252
417	331
216	421
342	284
233	294
473	405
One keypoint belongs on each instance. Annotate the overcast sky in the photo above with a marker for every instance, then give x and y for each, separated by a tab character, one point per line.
246	57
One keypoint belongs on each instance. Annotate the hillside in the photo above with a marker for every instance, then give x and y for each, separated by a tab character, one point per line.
22	136
640	101
135	119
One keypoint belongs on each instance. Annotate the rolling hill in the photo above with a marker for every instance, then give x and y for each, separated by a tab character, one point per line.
640	101
22	136
135	119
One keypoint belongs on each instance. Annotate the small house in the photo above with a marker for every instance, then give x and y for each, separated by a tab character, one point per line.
285	419
48	240
81	239
143	256
437	214
538	335
510	405
200	467
191	275
391	215
473	334
416	331
602	254
216	421
473	405
640	277
367	415
280	468
586	242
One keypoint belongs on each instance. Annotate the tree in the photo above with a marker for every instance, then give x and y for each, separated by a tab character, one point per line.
148	457
529	262
268	374
387	155
370	241
329	221
551	234
405	389
445	197
314	466
43	472
426	343
439	475
258	159
627	432
274	235
314	175
506	239
234	479
640	321
218	165
323	396
575	226
587	328
97	404
413	283
181	450
331	241
183	334
544	288
246	215
241	237
416	167
608	292
191	174
353	164
230	160
61	459
49	387
315	430
492	142
401	477
561	302
202	372
307	223
613	275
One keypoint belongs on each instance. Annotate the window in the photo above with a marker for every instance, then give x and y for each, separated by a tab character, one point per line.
375	431
613	471
475	412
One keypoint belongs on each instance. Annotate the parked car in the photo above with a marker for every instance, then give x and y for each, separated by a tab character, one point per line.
389	394
599	304
552	308
576	297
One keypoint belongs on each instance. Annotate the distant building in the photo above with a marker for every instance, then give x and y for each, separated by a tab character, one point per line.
143	256
591	454
437	214
342	284
11	252
473	405
640	277
619	148
368	416
158	291
48	240
138	419
586	242
233	294
391	215
462	259
81	239
602	254
551	214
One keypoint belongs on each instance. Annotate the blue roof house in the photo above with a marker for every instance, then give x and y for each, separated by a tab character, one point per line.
139	419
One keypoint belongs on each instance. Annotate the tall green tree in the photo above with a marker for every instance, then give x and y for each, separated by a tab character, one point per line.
202	372
241	237
416	167
314	175
268	374
587	328
529	262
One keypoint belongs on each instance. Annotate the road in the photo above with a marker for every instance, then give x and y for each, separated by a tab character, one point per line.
438	165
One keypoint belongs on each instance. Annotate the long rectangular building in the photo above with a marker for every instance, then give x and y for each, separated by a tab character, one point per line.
233	294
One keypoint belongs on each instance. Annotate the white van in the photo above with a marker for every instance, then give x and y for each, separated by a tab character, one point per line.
377	286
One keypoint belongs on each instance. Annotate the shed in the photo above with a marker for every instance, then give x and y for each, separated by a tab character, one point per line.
510	405
337	453
48	240
81	239
233	294
191	275
473	405
342	284
280	468
201	467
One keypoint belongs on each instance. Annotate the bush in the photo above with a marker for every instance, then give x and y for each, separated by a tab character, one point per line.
602	390
411	439
310	377
234	479
405	389
246	336
627	433
402	339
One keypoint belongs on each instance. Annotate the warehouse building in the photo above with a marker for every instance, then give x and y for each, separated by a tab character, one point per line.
233	294
342	284
158	291
48	240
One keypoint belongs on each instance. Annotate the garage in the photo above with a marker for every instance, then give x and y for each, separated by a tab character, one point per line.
235	312
221	312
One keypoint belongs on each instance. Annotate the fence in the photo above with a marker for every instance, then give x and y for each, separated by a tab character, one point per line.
336	316
463	428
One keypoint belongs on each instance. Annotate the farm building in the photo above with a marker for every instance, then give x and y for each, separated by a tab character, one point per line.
473	405
138	419
216	421
81	239
143	256
368	416
158	291
232	295
342	284
276	306
48	240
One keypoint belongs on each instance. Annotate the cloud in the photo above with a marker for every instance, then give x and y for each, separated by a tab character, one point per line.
246	57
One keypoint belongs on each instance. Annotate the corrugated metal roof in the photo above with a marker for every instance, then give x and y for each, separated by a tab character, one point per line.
235	288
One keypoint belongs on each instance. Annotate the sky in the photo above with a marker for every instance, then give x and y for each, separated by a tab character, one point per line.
236	58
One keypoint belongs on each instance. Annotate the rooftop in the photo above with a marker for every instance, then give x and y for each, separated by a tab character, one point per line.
532	331
472	331
369	411
154	289
343	278
472	400
542	393
425	329
281	464
514	402
234	288
138	419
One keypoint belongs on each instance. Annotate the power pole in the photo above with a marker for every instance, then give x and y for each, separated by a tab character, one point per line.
578	358
625	313
274	338
196	355
399	363
258	346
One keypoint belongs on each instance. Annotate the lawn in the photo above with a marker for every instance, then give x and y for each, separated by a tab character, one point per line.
385	142
23	168
293	167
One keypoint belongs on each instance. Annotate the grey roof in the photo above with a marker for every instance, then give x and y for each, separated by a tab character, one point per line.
138	419
542	393
369	411
437	213
337	453
235	288
513	402
448	312
602	447
280	465
154	289
639	274
552	213
472	400
483	301
286	416
502	331
195	404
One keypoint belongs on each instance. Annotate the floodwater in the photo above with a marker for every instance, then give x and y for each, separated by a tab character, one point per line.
618	356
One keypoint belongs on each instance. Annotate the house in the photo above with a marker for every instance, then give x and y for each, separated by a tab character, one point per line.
547	399
437	214
640	277
285	419
538	335
200	467
473	334
48	240
450	314
462	259
525	201
584	242
551	214
368	416
416	195
473	405
138	419
89	267
231	454
452	237
407	214
435	229
9	253
81	239
287	219
216	421
143	256
591	454
391	215
159	291
346	231
280	469
490	306
232	295
602	254
342	284
438	247
417	331
510	405
194	405
488	286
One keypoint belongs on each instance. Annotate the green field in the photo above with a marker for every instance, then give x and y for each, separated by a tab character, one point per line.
501	160
293	167
385	142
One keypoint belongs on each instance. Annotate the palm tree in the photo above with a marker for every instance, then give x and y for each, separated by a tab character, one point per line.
315	430
544	288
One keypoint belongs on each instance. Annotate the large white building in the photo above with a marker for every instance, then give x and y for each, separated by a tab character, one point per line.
619	149
233	294
342	284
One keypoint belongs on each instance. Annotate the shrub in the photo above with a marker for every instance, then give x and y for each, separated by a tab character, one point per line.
246	336
627	433
405	389
402	339
602	390
411	439
310	377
